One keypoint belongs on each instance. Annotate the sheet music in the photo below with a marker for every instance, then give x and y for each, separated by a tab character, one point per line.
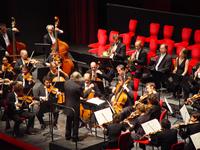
151	126
96	101
168	106
185	114
104	116
195	139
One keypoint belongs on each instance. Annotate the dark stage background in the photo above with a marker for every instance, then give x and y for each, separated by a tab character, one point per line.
80	19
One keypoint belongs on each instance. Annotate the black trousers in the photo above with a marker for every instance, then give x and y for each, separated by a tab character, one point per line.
47	107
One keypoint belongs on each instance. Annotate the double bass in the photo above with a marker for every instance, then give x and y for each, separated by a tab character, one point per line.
62	49
14	48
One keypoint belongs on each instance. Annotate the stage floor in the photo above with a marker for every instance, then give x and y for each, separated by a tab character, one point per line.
42	141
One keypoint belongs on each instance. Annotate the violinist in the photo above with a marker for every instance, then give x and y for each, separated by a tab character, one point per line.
24	61
192	127
166	137
16	110
47	94
194	101
26	78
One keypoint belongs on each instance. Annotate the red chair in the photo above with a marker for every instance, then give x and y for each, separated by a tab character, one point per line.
101	47
136	83
101	32
153	45
154	30
143	142
163	114
185	35
178	146
192	63
126	39
123	142
132	28
196	39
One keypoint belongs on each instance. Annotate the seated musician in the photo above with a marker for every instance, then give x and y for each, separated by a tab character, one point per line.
117	50
90	89
150	89
194	101
191	84
113	131
166	137
179	72
16	110
56	72
47	94
192	127
122	93
6	70
162	67
26	79
138	59
24	60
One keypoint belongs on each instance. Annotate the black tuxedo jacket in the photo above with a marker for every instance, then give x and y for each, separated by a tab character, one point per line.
165	65
47	39
165	138
120	52
2	41
142	58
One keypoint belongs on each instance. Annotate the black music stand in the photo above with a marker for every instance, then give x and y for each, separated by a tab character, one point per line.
41	72
43	48
59	85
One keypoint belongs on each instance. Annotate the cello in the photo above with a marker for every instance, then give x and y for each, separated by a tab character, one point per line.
15	47
62	49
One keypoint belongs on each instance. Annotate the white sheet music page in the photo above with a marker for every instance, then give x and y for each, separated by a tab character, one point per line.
96	101
104	115
195	139
168	106
151	126
185	114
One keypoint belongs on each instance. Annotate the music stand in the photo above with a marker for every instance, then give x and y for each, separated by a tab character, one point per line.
41	72
59	85
43	48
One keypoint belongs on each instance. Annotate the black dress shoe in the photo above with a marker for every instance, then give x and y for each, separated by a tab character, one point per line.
43	126
67	137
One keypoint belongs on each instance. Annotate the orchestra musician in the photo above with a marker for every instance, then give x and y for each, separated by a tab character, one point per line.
6	70
191	84
73	92
179	72
122	92
26	79
117	50
192	127
166	137
138	59
16	110
24	61
6	37
194	101
46	94
56	71
162	67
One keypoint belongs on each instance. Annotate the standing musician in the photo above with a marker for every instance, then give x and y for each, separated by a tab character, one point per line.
138	59
26	79
16	104
123	94
192	127
47	94
6	37
73	92
117	50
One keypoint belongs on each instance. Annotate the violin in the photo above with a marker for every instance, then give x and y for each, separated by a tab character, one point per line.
28	77
53	90
7	68
26	99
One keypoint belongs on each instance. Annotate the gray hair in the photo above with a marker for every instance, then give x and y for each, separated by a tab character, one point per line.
76	76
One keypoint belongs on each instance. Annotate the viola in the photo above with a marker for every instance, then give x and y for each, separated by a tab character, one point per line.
26	99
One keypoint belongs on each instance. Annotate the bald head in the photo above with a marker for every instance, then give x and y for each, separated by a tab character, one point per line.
138	44
24	54
93	65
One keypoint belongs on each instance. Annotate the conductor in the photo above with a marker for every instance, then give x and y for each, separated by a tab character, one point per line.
73	92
